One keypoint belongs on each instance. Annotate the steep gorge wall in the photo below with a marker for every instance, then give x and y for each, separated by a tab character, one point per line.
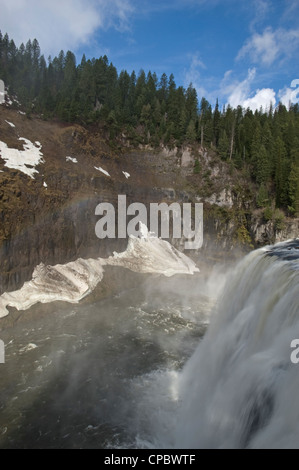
51	219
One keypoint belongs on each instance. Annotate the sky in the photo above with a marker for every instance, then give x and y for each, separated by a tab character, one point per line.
237	51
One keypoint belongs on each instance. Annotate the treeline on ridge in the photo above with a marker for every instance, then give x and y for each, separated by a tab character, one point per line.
152	110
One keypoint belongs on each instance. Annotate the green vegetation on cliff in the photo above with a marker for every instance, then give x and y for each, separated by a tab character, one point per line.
152	110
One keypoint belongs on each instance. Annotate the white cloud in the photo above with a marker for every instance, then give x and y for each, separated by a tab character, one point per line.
63	24
262	99
240	94
236	91
270	46
260	8
193	75
154	6
289	95
261	47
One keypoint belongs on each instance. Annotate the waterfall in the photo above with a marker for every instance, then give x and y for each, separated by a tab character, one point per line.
240	388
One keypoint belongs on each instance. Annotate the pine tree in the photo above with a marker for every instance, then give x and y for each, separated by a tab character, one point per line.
205	123
255	147
191	132
293	190
191	105
216	124
163	88
262	166
223	146
280	176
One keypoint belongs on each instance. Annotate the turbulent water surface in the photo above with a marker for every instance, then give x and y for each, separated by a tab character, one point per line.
102	375
164	365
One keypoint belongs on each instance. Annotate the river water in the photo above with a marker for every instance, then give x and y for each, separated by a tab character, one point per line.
102	375
182	362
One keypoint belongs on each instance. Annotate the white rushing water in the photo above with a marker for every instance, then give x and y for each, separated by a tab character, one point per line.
240	388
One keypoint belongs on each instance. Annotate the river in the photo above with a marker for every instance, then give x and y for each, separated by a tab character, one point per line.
177	362
103	374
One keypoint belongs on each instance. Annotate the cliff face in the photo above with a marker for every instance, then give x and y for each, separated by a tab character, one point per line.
47	207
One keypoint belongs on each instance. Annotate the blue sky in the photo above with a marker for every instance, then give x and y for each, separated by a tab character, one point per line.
239	51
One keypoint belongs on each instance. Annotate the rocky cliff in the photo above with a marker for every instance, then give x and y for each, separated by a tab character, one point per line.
53	175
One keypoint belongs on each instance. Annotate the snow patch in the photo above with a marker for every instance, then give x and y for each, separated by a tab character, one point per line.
71	282
127	175
22	160
144	231
149	254
71	159
11	100
10	123
103	171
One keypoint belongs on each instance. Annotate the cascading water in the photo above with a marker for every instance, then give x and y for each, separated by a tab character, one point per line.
240	388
